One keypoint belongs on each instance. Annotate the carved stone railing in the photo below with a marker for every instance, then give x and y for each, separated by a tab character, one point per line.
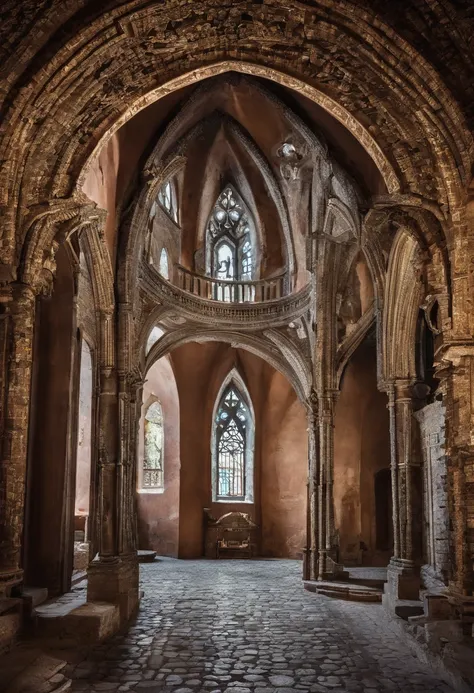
254	315
213	289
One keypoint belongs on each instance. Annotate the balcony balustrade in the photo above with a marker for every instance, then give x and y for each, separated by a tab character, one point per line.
236	291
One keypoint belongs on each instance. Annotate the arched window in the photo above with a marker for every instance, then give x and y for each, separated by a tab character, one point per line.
167	199
229	252
232	441
152	476
164	265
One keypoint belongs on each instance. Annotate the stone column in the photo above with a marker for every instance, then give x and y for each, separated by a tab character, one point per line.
312	549
328	566
403	573
114	576
130	407
431	419
457	376
19	314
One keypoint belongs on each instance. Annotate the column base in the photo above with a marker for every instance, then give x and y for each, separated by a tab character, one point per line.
115	581
310	564
463	609
11	582
402	589
328	567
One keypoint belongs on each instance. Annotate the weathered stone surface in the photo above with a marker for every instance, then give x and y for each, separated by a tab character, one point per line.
199	626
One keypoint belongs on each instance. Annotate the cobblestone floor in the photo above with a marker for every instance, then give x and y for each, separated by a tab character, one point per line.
249	627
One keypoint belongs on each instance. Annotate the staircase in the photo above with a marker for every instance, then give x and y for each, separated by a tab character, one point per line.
28	670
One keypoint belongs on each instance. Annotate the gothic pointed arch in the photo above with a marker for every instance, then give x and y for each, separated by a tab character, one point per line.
232	442
230	238
151	477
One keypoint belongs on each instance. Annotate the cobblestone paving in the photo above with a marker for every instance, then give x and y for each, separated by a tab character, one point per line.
249	627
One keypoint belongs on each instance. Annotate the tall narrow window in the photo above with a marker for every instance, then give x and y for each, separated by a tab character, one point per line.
230	254
164	265
233	447
152	477
167	199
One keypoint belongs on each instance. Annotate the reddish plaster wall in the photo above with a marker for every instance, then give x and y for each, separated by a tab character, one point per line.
284	470
361	449
158	513
280	480
101	186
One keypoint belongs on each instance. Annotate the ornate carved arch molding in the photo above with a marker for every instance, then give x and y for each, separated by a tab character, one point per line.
385	45
157	170
403	296
100	267
259	345
48	226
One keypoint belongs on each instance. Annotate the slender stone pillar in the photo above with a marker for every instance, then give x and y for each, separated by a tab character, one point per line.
403	573
18	332
312	551
327	550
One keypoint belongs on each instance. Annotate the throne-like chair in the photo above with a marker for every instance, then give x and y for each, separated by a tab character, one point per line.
233	535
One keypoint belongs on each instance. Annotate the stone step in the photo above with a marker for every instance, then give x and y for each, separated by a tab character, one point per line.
11	610
28	670
34	597
146	556
345	590
76	623
368	582
77	577
404	608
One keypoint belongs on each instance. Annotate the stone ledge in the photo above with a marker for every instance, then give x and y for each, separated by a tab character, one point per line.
146	556
453	664
345	590
86	624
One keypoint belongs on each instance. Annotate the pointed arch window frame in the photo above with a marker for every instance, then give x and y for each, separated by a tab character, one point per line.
167	198
234	381
164	264
142	486
213	242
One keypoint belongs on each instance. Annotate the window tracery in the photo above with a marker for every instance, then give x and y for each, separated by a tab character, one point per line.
233	438
152	472
229	237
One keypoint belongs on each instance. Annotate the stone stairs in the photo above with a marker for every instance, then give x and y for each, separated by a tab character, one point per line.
358	585
29	670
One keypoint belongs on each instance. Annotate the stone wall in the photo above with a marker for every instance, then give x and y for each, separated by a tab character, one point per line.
431	420
280	454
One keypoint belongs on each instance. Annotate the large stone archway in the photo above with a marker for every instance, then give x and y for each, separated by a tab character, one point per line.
88	73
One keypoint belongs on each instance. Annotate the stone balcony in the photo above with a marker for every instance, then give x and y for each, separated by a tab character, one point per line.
271	301
210	288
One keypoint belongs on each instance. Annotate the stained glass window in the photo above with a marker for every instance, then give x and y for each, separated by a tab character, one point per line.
152	476
232	424
230	252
